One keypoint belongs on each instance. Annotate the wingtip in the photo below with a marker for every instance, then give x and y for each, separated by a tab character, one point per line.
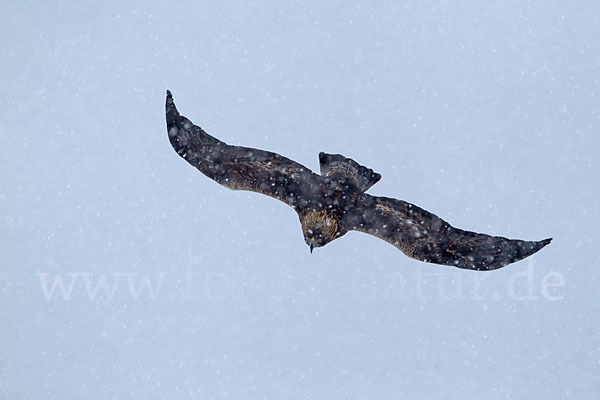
537	246
170	105
173	117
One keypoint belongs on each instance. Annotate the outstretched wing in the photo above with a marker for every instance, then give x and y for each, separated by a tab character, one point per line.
241	168
426	237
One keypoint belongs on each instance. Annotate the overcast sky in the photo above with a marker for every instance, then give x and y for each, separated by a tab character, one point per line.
486	113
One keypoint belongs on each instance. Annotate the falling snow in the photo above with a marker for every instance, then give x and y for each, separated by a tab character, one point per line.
127	274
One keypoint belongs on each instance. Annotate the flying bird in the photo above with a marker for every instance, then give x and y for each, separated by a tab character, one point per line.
334	202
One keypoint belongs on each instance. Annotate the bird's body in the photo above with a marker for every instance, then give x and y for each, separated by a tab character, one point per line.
334	202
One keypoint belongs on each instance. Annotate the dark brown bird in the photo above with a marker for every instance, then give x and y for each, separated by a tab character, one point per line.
334	202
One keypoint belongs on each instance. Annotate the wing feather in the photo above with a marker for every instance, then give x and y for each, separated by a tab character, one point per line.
241	168
426	237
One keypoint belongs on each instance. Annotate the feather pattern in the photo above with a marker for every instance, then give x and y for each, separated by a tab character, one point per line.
426	237
241	168
333	203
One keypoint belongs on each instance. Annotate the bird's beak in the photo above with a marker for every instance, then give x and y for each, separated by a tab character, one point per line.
312	245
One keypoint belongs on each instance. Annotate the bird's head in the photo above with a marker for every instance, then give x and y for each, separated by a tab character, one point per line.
319	228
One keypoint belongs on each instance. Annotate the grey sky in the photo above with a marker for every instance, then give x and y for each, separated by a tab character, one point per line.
485	113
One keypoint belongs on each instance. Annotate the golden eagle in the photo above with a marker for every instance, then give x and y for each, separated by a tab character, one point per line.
335	202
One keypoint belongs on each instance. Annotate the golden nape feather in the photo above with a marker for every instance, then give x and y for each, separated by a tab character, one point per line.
319	228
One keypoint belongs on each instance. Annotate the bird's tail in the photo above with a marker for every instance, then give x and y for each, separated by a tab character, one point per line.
338	164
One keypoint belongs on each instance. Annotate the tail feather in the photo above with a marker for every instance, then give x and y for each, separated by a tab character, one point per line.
338	164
